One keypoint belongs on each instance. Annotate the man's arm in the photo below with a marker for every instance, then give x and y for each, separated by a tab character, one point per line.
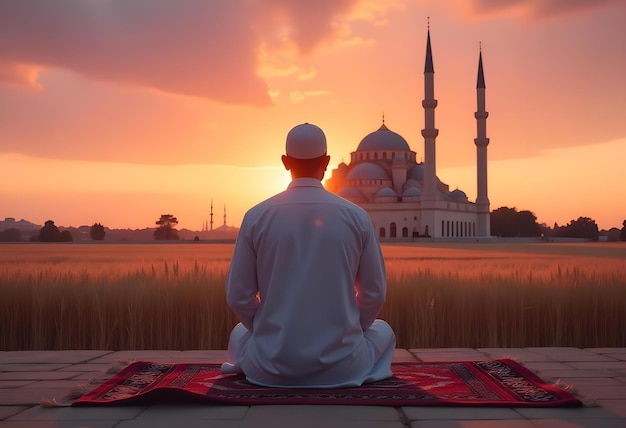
241	285
371	280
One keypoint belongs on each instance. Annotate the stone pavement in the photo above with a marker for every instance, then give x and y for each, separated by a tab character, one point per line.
26	377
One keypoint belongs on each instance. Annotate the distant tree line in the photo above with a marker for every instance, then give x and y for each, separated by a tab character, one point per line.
508	222
505	222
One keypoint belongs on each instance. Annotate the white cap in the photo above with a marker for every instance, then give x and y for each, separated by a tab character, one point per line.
305	141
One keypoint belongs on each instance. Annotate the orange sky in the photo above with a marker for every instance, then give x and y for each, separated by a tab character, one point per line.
117	112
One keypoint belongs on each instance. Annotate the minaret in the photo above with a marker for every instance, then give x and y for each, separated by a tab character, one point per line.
224	214
483	228
429	132
211	214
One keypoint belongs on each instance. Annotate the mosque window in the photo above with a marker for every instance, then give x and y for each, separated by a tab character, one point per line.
405	232
443	228
381	233
392	230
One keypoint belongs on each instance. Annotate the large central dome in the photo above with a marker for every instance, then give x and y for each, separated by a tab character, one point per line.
383	139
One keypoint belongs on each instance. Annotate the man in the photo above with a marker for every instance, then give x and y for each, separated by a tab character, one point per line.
307	280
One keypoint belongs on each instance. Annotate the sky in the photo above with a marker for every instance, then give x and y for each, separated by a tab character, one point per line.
117	111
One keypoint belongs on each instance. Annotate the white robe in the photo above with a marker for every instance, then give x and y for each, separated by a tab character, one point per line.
307	280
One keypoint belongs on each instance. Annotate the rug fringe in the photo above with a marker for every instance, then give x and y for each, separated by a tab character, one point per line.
83	388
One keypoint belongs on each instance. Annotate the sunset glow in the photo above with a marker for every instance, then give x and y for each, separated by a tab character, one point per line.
114	115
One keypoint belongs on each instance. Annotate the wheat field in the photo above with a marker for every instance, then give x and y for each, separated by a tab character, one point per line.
171	295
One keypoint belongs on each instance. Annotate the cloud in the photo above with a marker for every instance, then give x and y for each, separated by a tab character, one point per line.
531	9
298	96
210	49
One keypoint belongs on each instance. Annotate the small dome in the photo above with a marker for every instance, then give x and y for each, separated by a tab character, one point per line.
458	195
411	182
417	172
383	139
386	191
412	191
368	171
351	193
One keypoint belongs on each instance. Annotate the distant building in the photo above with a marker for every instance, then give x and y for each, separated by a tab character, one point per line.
23	226
404	198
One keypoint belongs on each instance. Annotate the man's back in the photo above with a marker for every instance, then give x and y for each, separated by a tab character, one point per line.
310	252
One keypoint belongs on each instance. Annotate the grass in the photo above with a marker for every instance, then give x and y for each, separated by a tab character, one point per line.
171	296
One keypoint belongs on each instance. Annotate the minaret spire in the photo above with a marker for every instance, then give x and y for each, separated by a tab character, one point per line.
429	132
211	214
482	200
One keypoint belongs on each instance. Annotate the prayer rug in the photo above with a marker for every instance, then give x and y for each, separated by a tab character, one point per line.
501	382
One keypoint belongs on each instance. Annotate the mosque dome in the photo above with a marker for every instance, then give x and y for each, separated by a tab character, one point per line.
368	171
386	191
411	182
412	191
351	193
458	195
417	172
383	139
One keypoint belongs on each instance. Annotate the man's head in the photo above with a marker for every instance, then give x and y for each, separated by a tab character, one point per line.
305	150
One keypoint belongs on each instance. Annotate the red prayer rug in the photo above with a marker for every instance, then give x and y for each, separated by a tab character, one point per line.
501	382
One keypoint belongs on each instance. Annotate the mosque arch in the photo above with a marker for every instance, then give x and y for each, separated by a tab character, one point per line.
392	230
381	232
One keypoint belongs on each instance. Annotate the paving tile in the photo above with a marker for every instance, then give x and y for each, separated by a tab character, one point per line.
71	357
457	354
565	413
520	354
6	411
323	413
620	357
192	412
29	396
59	424
594	381
607	350
40	413
579	423
609	365
151	355
6	384
67	384
427	413
514	423
88	368
36	375
34	367
546	365
202	356
601	392
263	423
558	374
617	407
402	355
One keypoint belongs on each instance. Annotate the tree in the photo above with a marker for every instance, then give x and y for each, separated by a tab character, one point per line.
97	232
166	230
11	234
622	233
583	227
66	236
49	232
508	222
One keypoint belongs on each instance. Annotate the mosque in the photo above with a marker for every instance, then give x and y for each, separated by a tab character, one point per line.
405	199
